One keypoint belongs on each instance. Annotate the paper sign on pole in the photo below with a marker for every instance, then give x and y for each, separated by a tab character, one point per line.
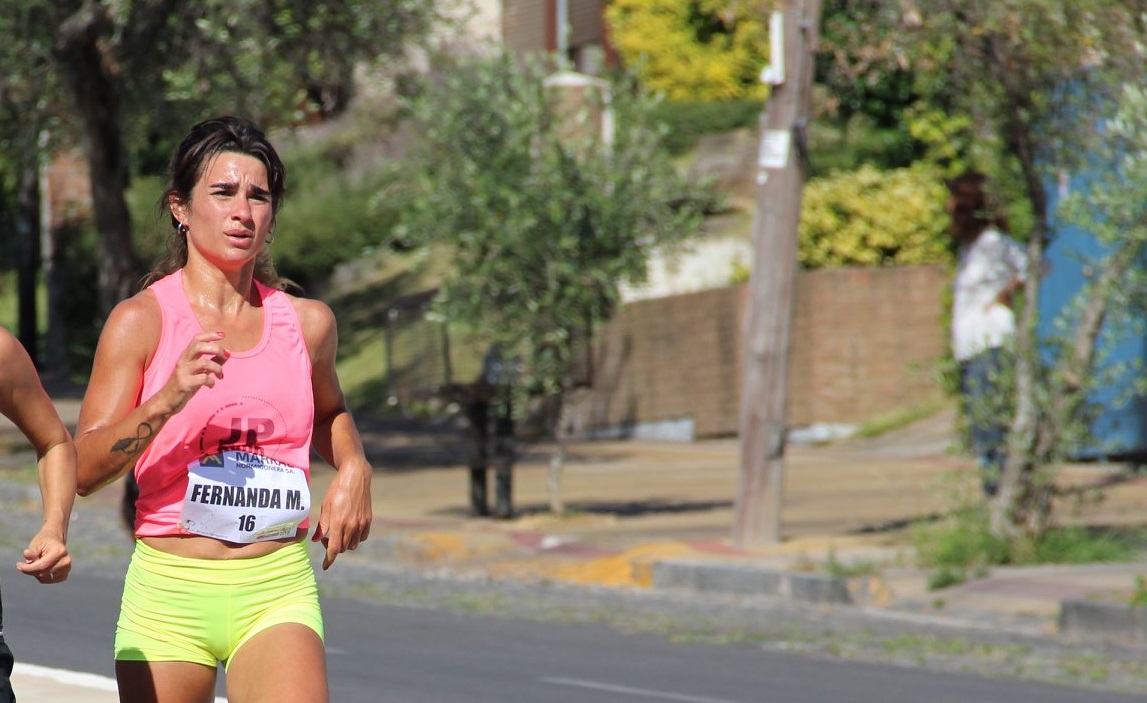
775	148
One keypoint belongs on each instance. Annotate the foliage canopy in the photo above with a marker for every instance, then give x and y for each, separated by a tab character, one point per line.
126	78
543	218
1034	79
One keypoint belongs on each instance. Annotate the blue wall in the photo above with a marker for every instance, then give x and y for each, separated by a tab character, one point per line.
1121	428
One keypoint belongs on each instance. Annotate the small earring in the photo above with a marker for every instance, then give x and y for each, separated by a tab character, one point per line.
270	238
181	228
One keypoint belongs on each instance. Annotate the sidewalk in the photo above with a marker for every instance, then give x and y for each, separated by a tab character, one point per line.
659	515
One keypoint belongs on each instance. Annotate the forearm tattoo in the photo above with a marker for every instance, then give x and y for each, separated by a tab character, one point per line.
132	445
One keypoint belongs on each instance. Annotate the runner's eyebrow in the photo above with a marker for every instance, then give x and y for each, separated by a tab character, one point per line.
231	186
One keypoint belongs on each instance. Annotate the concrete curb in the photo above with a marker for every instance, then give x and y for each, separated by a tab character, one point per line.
1102	621
668	567
750	580
636	568
428	548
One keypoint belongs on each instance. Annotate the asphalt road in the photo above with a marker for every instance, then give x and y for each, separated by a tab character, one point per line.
449	641
420	656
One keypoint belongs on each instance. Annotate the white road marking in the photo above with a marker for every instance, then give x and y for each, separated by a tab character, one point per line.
73	678
630	691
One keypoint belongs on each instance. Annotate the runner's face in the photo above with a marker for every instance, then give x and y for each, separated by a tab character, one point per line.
230	212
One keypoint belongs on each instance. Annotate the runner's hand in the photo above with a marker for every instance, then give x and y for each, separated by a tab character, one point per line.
46	558
199	366
345	516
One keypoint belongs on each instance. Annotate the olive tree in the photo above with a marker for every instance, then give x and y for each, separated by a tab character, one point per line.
1033	80
545	211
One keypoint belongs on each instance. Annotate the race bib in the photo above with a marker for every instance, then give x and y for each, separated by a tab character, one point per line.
243	497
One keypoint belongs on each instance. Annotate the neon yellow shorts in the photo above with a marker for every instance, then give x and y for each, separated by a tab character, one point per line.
203	610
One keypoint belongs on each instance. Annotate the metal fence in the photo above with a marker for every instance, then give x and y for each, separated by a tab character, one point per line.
424	359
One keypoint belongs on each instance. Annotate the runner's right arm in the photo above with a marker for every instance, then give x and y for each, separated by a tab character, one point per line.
115	427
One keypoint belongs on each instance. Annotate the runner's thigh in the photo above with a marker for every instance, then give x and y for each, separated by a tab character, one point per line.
285	663
164	682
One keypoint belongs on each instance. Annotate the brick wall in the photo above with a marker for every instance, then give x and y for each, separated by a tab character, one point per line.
529	25
864	342
524	25
585	22
668	358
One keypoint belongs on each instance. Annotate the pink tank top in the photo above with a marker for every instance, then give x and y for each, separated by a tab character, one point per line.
263	404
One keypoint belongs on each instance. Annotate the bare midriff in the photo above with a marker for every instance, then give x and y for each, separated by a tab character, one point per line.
196	547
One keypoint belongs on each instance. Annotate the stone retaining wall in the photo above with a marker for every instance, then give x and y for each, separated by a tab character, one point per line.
865	342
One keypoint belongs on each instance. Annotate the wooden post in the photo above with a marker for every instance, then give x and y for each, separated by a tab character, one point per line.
780	179
478	422
504	455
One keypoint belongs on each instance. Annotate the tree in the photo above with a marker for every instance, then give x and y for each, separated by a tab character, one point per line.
861	66
1034	77
1112	206
137	73
542	219
27	114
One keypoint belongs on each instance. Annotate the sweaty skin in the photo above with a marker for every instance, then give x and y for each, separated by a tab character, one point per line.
24	401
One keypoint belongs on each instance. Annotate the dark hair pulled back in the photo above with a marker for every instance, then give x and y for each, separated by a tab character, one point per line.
972	209
205	141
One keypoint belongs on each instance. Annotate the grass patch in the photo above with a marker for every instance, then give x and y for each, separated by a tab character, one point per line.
901	417
836	568
1139	595
362	374
963	546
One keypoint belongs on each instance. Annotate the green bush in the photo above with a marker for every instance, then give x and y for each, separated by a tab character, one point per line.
870	217
688	120
962	545
846	145
691	49
329	216
150	223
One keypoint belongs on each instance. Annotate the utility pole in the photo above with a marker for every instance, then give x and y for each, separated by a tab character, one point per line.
793	35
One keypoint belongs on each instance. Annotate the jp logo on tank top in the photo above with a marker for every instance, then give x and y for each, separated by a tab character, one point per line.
247	423
237	490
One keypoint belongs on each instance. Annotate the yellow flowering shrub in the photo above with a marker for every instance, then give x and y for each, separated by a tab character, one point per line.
869	217
691	49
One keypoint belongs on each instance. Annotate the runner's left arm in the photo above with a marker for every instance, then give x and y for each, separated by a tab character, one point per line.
25	402
346	514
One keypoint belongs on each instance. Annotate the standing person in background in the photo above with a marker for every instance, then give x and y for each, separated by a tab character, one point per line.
211	385
24	401
990	267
